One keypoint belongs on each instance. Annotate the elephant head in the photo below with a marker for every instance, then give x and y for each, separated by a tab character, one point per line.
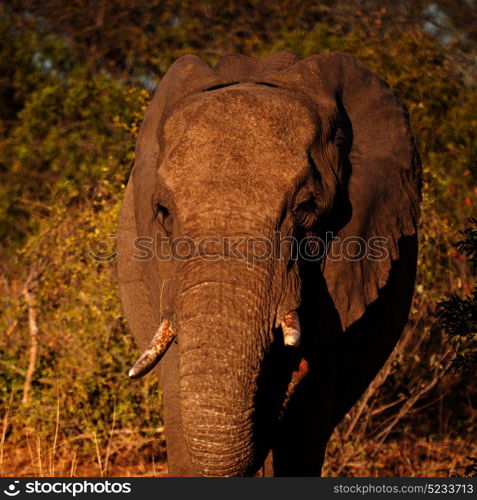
266	151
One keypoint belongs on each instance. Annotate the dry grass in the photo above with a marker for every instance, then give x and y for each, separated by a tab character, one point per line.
134	455
407	457
127	453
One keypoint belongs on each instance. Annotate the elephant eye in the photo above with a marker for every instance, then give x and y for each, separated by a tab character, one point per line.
305	215
163	216
306	212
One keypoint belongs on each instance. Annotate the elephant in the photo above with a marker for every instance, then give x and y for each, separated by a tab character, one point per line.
260	358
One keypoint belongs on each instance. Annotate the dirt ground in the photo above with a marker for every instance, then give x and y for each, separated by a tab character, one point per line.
126	458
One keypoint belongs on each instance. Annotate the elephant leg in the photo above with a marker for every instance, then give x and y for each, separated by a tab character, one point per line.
178	461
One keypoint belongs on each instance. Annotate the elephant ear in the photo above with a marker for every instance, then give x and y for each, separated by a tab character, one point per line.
380	175
140	285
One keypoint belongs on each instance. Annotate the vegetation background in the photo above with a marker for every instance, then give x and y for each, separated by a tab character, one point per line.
75	79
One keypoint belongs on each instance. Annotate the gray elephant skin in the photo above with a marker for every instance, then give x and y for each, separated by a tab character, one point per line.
252	149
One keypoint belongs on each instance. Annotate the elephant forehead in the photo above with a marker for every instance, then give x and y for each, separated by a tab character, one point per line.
239	145
242	117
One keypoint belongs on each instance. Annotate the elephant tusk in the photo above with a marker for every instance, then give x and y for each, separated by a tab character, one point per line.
154	352
291	329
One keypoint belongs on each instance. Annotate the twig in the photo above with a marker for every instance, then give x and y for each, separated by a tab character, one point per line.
381	436
56	431
385	407
32	458
73	464
106	461
38	451
4	430
29	298
377	382
152	430
98	454
14	368
11	328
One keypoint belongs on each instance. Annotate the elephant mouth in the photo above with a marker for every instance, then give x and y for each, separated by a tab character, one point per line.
164	336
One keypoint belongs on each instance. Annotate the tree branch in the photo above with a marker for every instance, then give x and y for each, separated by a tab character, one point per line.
33	327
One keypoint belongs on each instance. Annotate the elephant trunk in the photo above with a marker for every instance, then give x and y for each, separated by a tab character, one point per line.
223	339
